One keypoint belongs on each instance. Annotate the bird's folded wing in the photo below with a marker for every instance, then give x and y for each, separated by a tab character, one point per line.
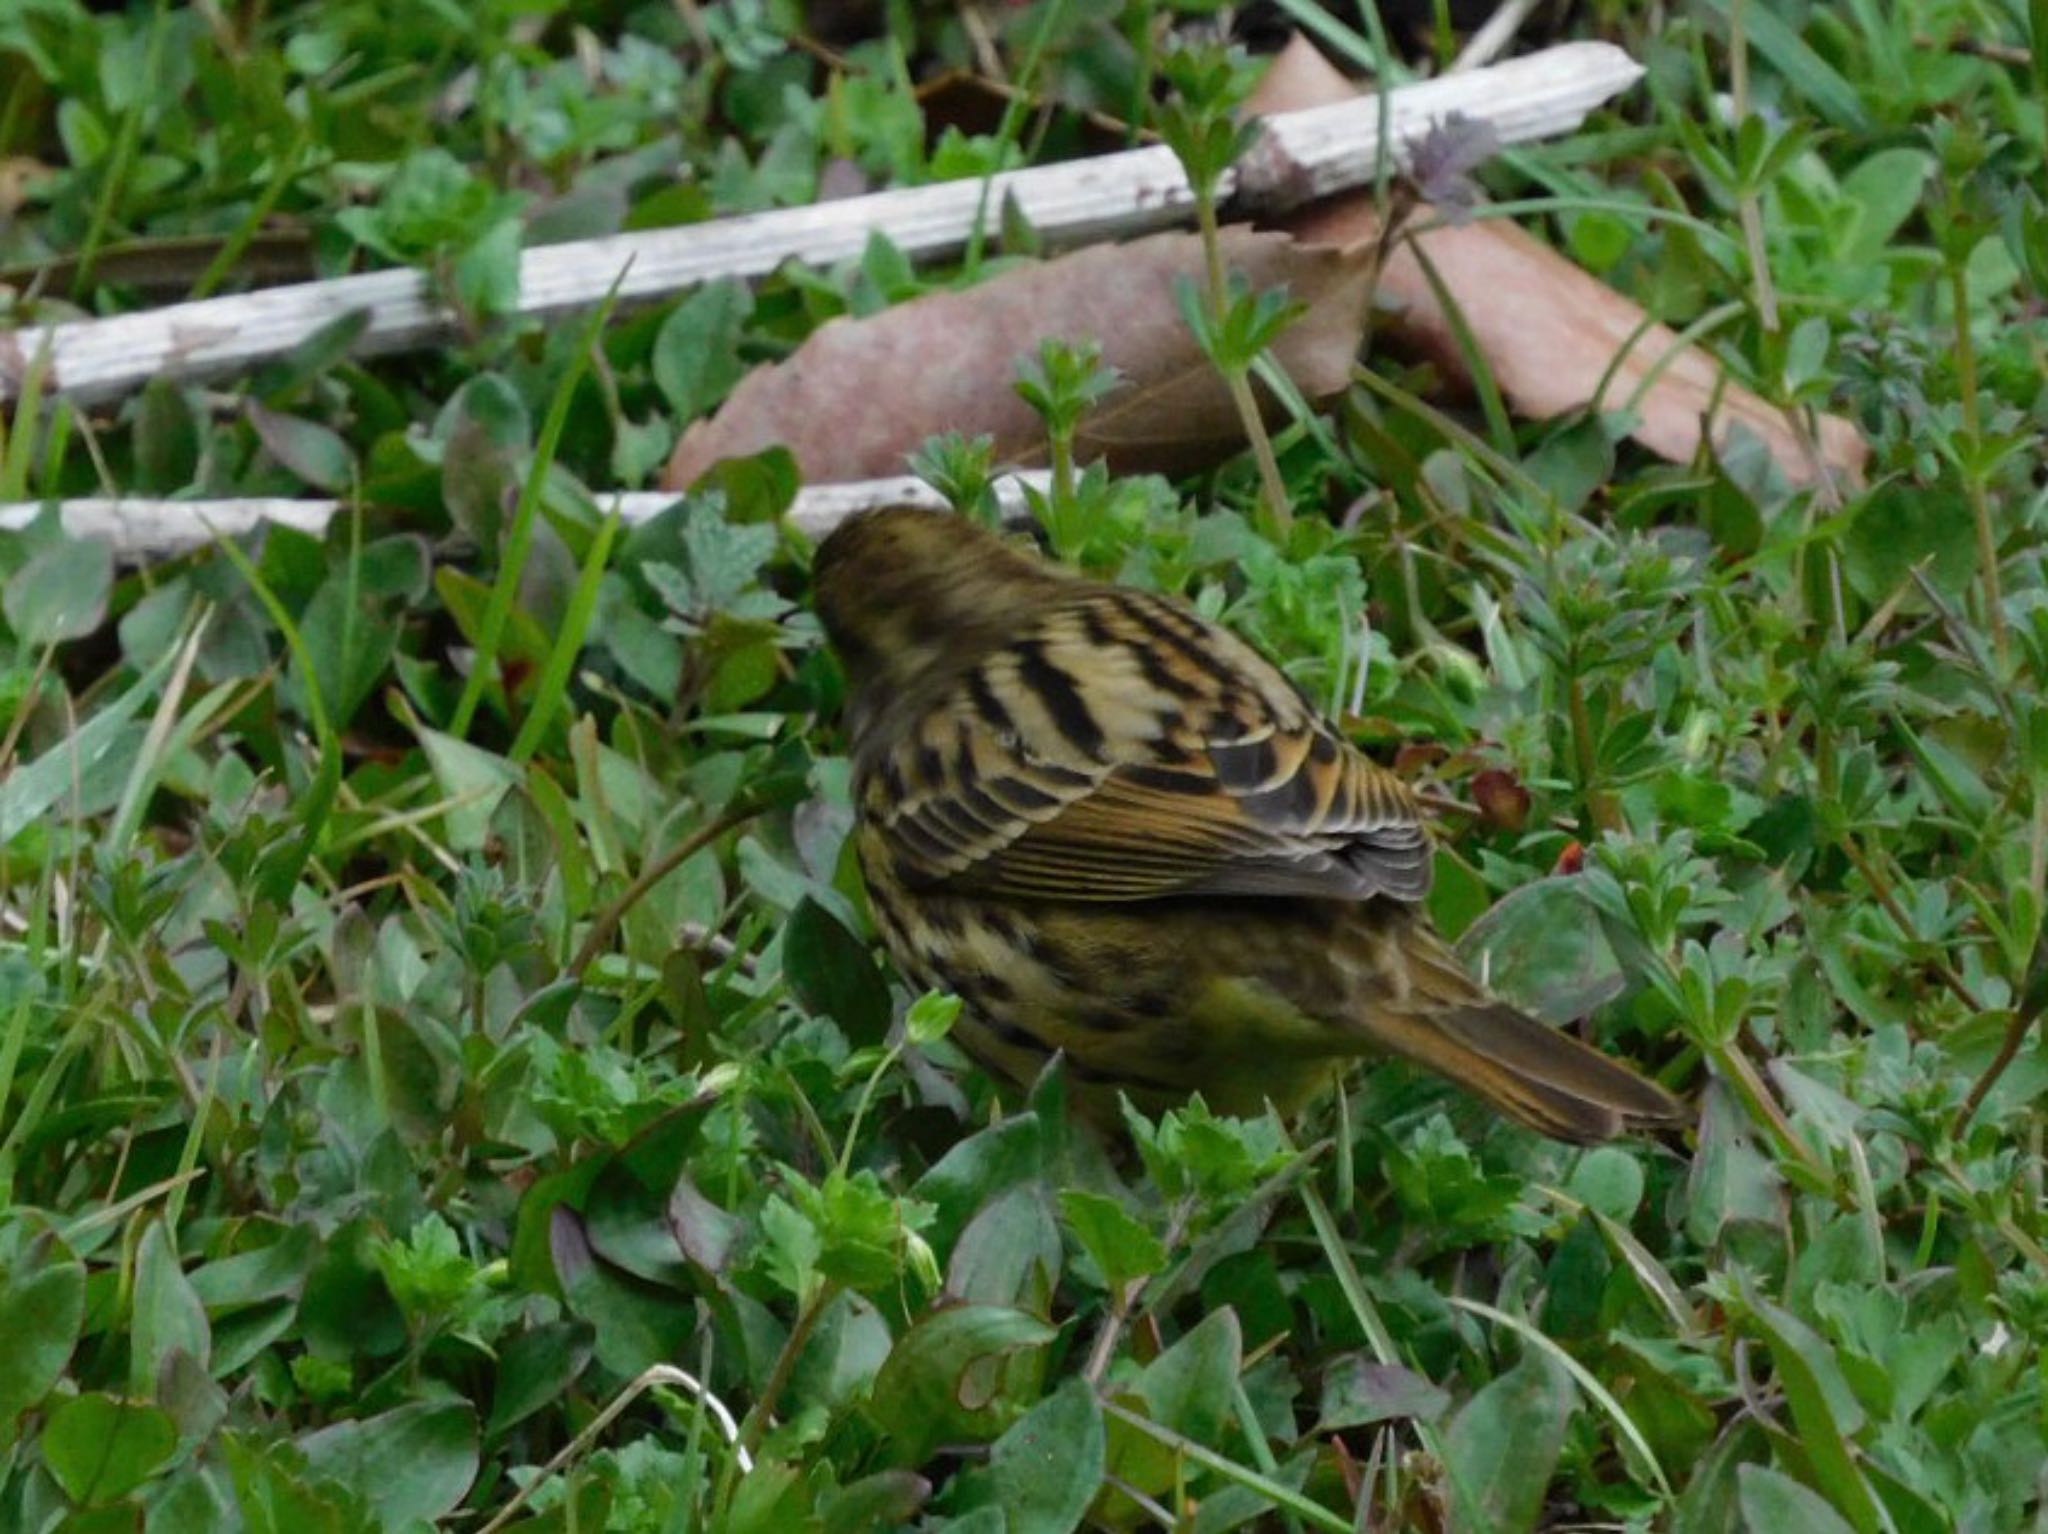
1124	749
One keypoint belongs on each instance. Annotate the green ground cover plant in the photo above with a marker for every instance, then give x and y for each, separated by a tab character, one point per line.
446	1077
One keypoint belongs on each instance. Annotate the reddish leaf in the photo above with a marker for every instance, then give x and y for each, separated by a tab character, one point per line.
1501	799
1416	757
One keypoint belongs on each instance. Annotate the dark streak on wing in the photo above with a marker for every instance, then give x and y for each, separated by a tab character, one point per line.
1153	617
986	701
1020	795
1168	780
1062	699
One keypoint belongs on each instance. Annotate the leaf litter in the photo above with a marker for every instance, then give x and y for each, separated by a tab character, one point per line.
860	395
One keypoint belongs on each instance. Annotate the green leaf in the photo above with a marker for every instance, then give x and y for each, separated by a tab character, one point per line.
948	1376
413	1462
789	1249
1609	1180
629	1228
770	1499
1457	895
274	1499
186	1390
1885	188
1732	1183
167	1315
867	1232
1574	462
1575	1280
264	1272
525	527
977	1170
473	780
468	601
1898	527
346	1310
931	1018
1190	1386
1359	1390
1774	1503
325	350
350	643
60	594
315	453
833	974
1047	1469
637	1324
99	1449
191	1504
757	488
535	1370
44	1303
888	1499
1542	946
1502	1447
725	556
167	438
1824	1409
1122	1247
707	1235
487	274
1009	1253
696	353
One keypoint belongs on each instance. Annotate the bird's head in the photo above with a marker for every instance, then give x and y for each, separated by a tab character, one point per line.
903	590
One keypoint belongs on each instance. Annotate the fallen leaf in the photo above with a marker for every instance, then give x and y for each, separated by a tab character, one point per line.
861	394
1550	332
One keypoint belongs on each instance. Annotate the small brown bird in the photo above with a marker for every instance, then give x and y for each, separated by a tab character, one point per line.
1114	828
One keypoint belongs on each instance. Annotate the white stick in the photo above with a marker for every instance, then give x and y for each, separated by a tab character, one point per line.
1303	155
142	530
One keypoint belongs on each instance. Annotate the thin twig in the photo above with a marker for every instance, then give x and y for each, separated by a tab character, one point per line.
2032	1002
1998	53
763	1413
607	923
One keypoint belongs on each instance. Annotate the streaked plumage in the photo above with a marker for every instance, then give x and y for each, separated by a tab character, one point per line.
1114	828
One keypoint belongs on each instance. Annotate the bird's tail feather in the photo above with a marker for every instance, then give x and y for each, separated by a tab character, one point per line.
1534	1074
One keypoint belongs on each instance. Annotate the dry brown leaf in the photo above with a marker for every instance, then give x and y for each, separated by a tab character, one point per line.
1550	332
860	395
